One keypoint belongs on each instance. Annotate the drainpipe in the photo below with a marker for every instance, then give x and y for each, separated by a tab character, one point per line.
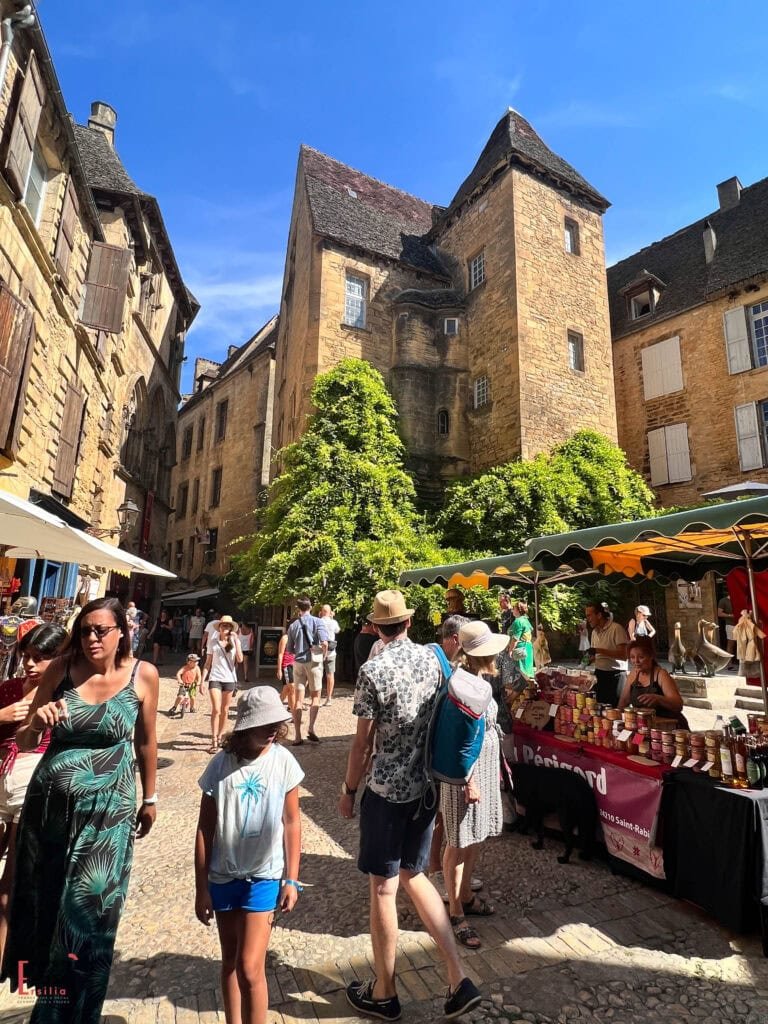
23	18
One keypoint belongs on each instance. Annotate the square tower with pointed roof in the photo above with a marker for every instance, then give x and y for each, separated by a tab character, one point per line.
488	317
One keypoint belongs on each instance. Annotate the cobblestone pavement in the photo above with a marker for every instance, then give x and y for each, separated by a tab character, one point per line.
567	944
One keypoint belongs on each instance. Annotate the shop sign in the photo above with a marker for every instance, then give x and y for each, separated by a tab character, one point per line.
269	639
628	802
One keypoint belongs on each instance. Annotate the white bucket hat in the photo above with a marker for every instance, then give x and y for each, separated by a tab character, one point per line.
644	610
477	640
261	705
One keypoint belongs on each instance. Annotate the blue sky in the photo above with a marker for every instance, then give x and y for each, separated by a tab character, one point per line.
653	106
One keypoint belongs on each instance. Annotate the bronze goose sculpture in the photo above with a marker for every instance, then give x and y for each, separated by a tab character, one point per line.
711	658
677	652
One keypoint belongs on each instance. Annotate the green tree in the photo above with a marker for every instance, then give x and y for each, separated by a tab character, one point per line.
341	521
583	482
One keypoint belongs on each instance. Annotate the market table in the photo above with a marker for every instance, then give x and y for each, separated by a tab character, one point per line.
627	793
716	849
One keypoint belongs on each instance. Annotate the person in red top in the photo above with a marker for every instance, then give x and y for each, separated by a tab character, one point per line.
37	649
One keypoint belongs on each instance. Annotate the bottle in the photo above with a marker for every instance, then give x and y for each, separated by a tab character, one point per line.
719	725
740	755
726	760
754	775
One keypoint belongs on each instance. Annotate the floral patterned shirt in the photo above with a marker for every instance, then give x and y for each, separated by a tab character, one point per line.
397	690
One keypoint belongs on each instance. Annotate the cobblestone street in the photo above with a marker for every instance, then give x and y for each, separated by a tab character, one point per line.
568	943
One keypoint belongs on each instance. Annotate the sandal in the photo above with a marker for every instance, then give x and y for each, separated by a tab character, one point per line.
465	933
213	750
478	907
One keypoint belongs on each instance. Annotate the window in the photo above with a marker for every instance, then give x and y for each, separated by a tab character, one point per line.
65	242
201	434
16	344
746	337
482	392
670	460
213	541
34	192
752	434
70	435
477	270
451	326
195	494
571	231
354	301
21	145
662	368
106	285
181	500
186	443
179	552
222	409
443	423
190	555
642	303
215	488
576	351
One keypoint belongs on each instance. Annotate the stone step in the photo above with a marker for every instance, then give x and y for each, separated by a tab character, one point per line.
750	692
697	702
754	706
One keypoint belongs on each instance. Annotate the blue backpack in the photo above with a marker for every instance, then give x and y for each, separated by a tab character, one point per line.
456	727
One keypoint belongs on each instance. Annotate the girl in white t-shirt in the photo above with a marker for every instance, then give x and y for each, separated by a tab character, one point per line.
248	847
220	673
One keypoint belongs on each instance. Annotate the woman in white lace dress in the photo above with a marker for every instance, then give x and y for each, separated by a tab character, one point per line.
473	812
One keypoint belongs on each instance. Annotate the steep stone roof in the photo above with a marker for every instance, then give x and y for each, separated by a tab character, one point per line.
103	166
513	140
741	253
352	208
432	298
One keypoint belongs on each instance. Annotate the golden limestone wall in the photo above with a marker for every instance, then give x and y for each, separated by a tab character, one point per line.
558	292
705	402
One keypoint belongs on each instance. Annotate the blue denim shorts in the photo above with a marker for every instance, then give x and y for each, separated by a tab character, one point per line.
393	836
257	894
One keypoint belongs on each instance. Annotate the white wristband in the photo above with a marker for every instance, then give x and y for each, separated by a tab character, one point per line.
150	799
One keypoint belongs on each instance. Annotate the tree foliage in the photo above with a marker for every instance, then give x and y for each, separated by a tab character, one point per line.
341	521
583	482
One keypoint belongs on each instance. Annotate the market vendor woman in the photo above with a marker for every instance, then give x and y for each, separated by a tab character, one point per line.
521	648
648	685
609	643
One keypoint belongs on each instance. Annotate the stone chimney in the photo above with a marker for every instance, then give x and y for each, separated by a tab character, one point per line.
710	242
104	118
729	193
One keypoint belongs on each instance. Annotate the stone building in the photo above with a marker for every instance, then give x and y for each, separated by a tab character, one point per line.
689	318
93	314
224	458
488	317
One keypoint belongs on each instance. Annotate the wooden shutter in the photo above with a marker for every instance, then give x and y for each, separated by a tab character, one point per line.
13	354
65	243
105	287
22	141
662	368
678	454
748	436
737	340
657	454
69	440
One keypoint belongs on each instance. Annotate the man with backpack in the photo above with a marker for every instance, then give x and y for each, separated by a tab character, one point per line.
393	702
308	642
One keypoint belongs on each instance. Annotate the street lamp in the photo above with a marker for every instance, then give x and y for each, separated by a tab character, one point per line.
127	514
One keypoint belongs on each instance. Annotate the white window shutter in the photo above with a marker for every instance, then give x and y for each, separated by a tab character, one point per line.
737	341
678	455
657	453
652	382
748	436
672	367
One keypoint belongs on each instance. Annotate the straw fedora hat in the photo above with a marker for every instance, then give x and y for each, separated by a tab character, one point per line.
389	608
226	620
477	640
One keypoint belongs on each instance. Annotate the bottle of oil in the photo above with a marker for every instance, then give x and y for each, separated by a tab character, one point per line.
740	755
754	774
726	759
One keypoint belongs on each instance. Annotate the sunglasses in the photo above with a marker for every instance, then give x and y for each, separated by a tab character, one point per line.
100	631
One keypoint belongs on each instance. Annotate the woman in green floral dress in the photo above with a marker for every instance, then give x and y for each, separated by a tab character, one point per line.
521	648
75	838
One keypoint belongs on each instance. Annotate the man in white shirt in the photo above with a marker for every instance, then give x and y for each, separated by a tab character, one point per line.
211	632
332	629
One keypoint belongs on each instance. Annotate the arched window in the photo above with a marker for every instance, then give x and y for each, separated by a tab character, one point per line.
443	423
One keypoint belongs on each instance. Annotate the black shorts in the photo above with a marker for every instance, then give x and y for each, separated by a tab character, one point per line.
288	675
226	685
393	836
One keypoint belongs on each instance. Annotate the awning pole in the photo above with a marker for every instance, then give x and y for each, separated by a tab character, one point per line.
747	540
536	601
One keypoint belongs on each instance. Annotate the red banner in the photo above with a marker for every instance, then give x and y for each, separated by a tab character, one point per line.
628	801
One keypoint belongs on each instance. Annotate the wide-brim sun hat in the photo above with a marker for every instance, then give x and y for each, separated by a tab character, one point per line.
389	609
260	706
226	620
477	640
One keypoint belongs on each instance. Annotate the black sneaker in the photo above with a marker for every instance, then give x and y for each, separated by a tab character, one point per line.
360	996
465	997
